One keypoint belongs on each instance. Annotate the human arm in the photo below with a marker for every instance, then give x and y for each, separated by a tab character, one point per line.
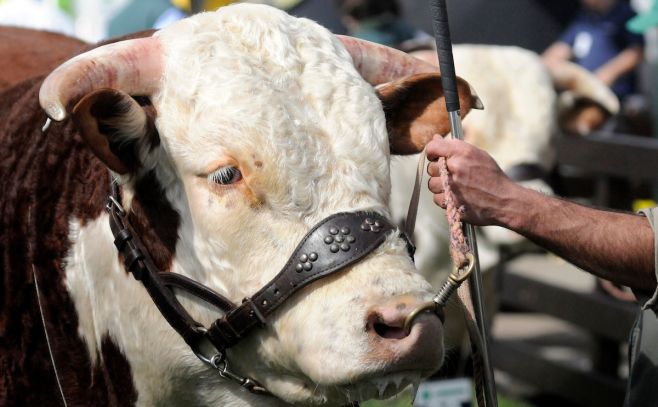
612	245
557	53
624	62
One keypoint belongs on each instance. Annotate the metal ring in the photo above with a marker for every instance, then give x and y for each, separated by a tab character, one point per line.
459	275
408	321
211	360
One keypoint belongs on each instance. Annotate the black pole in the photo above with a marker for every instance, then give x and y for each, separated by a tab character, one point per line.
444	49
449	81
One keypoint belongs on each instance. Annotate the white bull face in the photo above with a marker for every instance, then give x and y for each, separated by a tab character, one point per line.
269	144
265	127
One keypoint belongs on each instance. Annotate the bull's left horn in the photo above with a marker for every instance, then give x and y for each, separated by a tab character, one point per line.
379	64
133	66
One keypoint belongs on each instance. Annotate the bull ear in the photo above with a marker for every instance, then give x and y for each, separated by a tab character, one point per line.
415	110
116	128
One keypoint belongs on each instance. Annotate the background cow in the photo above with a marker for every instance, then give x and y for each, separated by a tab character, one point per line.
231	134
27	53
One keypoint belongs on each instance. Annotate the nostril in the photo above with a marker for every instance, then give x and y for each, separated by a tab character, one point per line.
387	324
389	332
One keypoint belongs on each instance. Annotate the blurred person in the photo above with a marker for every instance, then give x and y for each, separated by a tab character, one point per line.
381	21
599	41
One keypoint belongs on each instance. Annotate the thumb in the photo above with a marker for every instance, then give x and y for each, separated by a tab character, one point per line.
441	147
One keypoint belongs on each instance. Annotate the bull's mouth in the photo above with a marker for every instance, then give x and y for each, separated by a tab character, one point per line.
381	387
398	367
374	386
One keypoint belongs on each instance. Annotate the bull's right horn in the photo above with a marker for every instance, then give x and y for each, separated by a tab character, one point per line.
133	66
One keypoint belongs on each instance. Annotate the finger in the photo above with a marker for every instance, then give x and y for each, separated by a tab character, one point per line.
435	184
440	200
440	147
434	169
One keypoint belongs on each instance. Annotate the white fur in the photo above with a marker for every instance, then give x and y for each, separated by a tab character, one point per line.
518	121
279	98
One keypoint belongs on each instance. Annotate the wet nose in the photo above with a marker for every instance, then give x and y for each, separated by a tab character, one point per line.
387	320
418	348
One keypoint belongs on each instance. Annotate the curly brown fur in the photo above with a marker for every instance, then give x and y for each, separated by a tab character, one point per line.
48	179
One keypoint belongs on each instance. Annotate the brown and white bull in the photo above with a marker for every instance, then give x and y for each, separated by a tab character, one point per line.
231	134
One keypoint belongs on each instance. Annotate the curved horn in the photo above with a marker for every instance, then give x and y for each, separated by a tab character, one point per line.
569	76
133	66
379	64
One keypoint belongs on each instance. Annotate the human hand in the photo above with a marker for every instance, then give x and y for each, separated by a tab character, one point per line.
477	182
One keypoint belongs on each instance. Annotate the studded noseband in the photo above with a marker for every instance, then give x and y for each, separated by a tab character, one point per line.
336	242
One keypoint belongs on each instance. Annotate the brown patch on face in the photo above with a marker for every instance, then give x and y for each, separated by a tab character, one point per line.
47	179
155	221
258	163
247	187
254	201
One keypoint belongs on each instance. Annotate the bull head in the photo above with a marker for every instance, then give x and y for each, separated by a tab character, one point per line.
257	125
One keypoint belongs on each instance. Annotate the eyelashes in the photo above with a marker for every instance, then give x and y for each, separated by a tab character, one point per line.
225	176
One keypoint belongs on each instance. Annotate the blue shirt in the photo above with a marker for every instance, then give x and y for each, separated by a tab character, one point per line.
597	38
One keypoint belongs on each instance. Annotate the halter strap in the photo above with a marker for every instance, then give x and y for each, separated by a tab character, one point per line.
333	244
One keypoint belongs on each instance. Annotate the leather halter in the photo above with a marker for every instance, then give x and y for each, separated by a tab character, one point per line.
334	243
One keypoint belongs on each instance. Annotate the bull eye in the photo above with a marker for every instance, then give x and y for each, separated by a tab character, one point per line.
225	176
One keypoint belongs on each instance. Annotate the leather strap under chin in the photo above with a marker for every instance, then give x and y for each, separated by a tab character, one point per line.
333	244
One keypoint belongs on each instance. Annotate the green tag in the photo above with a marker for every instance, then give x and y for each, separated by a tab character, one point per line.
445	393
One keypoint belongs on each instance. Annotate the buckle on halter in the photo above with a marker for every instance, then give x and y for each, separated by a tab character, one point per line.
255	312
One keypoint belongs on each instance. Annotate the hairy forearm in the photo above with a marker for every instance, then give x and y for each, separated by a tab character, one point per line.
612	245
616	246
